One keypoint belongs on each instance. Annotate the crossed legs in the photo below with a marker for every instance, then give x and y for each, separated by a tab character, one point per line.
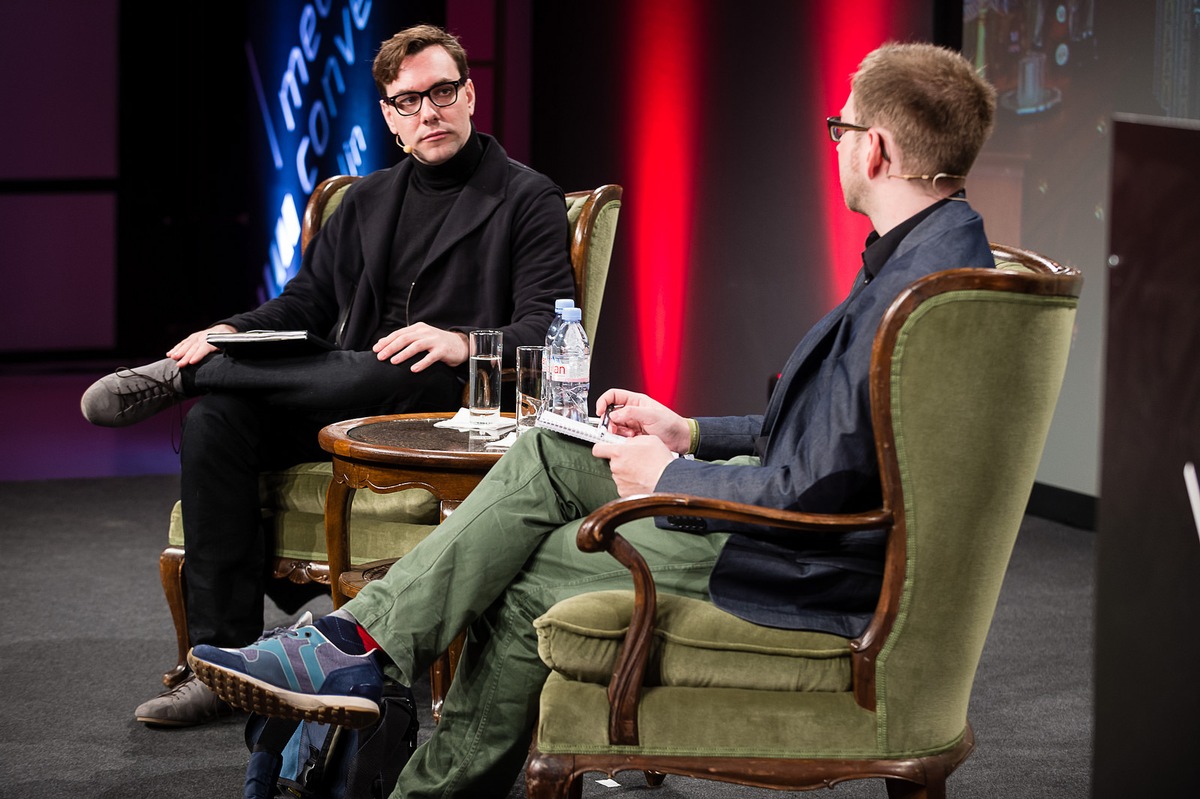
502	559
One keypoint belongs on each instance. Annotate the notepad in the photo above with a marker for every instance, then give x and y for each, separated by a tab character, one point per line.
581	430
269	343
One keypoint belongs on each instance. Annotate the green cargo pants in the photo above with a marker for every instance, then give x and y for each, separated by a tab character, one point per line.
501	560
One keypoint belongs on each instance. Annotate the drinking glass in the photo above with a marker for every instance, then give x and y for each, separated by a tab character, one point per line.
530	382
486	346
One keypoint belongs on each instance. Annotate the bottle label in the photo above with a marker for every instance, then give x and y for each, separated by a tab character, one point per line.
568	370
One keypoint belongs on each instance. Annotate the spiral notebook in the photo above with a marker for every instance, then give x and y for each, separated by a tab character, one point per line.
581	430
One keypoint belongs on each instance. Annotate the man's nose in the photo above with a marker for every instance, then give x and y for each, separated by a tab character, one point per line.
430	112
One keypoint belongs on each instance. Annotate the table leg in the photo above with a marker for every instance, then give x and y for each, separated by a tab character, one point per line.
441	674
338	499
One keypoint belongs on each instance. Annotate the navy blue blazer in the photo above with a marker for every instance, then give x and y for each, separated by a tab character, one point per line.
817	449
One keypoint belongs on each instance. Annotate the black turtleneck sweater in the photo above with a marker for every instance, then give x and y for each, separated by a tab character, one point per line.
430	195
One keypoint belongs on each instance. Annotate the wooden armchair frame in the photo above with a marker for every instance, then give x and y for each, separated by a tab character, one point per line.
556	774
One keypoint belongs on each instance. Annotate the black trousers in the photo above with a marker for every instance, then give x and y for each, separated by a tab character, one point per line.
255	415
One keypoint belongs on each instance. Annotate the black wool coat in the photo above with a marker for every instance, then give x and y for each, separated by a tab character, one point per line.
499	261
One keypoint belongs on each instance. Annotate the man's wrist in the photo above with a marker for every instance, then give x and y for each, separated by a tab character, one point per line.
465	347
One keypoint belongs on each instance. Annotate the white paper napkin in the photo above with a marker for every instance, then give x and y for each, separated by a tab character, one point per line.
502	443
463	421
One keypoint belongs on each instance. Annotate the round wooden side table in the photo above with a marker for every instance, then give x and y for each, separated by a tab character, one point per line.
393	453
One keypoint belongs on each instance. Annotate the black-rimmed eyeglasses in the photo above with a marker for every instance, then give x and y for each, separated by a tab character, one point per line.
441	95
838	128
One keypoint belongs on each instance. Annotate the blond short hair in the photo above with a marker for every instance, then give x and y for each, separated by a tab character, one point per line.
937	107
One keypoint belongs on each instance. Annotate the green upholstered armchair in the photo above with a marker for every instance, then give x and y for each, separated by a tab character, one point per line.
965	374
382	525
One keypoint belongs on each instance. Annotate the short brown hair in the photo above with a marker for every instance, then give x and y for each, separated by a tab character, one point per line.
411	41
937	107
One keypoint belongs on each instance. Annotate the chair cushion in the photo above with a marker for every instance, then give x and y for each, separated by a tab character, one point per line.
381	525
695	645
302	488
710	722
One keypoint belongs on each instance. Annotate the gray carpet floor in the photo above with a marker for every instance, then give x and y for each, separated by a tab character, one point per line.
86	635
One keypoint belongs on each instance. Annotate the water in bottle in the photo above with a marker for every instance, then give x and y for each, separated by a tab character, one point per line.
551	332
568	371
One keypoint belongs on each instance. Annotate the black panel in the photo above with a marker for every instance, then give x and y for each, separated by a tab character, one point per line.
1148	583
948	23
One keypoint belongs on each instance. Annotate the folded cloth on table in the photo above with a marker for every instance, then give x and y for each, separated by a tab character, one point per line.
463	421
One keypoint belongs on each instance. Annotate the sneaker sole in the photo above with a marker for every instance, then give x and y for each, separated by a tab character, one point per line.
248	693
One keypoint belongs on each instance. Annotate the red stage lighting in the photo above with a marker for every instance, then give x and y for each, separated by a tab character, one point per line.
661	133
842	34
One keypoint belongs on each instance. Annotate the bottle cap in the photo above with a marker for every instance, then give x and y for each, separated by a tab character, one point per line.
560	304
572	314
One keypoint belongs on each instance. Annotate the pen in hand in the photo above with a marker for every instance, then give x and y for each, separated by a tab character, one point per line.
607	411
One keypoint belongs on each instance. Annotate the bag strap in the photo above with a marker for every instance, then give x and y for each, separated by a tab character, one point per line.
268	734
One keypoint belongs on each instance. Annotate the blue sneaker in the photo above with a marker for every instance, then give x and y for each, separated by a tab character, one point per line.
296	673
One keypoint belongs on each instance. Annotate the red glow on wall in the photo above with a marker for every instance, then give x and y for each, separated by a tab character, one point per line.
841	35
660	132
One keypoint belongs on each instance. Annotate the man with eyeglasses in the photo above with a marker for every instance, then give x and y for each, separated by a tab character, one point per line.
455	237
915	120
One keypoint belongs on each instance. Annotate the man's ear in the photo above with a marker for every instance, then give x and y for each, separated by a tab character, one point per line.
877	153
387	118
469	88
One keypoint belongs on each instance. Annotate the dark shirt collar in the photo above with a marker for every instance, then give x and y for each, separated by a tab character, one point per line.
878	249
453	173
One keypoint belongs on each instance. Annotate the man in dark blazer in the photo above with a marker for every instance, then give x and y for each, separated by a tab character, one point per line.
454	238
915	120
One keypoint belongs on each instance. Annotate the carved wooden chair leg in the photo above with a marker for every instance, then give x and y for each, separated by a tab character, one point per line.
936	770
903	789
170	571
550	777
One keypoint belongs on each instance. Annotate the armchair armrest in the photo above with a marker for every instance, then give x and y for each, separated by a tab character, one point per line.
599	533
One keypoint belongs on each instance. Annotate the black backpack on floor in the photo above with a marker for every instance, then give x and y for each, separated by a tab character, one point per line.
290	759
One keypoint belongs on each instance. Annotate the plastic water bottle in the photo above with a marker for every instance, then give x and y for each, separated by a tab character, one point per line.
568	371
557	321
555	324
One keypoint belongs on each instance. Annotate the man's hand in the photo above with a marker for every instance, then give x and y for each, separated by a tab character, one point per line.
636	464
642	416
195	347
437	344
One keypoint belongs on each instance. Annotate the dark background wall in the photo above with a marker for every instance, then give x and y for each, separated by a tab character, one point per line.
131	214
186	201
130	210
58	175
168	117
758	275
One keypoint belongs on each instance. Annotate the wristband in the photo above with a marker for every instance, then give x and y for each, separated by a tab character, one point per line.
694	429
